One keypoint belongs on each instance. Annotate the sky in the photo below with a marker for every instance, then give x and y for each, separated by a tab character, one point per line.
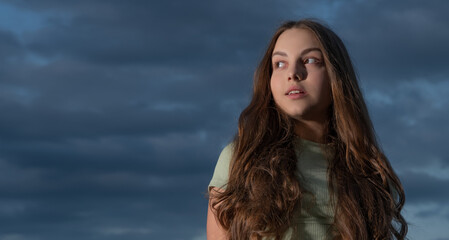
114	112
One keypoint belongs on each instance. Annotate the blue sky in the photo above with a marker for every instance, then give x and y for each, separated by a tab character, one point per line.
114	112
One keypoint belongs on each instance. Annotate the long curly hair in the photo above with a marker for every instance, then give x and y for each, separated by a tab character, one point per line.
263	191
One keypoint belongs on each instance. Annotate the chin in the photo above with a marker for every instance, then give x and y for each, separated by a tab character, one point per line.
294	113
297	116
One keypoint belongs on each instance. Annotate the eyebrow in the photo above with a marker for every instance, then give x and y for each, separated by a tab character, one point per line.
305	51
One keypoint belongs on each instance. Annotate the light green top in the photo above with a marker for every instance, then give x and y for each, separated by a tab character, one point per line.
316	216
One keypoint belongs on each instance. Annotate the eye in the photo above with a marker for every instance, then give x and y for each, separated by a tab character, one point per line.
311	61
279	64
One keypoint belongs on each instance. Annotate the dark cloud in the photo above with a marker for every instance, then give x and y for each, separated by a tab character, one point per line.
102	192
146	33
426	214
114	113
410	120
424	188
10	47
391	42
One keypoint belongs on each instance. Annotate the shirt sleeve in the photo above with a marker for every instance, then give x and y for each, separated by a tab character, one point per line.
221	173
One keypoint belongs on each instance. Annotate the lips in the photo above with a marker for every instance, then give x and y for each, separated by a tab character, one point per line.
295	90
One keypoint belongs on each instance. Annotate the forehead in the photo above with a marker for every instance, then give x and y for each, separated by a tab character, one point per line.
295	40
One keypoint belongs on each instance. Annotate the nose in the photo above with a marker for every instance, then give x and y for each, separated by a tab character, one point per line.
297	73
294	76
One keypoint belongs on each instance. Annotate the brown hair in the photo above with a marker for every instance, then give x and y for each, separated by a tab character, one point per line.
263	190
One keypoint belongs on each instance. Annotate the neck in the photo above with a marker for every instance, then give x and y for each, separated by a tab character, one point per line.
311	130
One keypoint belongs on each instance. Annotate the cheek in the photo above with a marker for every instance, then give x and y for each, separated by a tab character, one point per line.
273	90
273	86
326	90
323	84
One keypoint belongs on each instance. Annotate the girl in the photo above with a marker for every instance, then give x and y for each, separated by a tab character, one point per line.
305	163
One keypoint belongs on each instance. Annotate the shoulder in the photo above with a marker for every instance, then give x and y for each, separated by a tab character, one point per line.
227	151
221	172
224	160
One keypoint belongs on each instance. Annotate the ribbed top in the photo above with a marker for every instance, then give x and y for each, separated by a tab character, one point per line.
314	219
316	215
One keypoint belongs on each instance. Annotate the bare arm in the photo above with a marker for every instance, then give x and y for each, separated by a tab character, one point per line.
214	229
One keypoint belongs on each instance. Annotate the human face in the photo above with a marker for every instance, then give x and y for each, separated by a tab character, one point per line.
299	69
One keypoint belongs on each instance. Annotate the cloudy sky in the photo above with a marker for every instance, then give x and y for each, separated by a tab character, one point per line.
114	112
